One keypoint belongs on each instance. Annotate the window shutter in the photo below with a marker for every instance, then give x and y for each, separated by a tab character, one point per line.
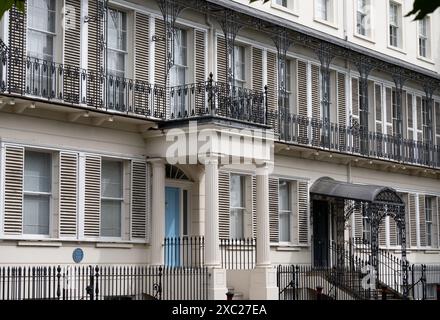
254	206
303	213
389	109
68	194
17	46
95	56
302	98
302	88
342	108
273	210
272	87
355	97
13	201
200	72
382	234
393	232
138	200
316	104
435	217
160	54
257	69
92	196
149	203
412	220
223	204
142	47
72	50
222	71
422	220
358	223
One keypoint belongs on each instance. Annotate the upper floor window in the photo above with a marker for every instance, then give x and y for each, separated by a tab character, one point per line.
288	4
323	10
41	29
37	188
238	206
428	217
395	24
363	17
179	71
239	66
111	198
424	38
285	211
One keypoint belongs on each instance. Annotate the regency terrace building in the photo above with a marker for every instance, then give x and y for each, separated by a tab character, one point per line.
187	149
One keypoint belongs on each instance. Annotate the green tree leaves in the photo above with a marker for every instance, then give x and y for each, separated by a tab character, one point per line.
5	5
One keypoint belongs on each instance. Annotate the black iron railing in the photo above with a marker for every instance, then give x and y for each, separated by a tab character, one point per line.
313	132
185	251
103	283
47	80
238	254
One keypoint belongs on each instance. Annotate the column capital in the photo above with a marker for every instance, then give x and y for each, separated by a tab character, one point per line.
157	162
263	169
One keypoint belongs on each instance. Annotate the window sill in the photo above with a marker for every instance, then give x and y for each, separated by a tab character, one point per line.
41	243
427	60
326	23
397	49
114	245
364	38
291	11
288	247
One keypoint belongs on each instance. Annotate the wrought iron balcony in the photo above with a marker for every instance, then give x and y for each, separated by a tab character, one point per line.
50	81
318	133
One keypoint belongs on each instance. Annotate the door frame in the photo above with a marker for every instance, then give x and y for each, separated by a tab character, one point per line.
187	186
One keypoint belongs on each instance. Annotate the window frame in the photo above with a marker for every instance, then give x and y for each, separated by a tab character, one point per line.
241	210
366	15
397	25
49	194
288	212
121	200
426	38
240	83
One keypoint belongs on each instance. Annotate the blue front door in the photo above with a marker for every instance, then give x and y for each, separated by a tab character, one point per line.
172	226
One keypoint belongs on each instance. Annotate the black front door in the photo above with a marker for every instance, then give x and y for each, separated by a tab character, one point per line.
320	233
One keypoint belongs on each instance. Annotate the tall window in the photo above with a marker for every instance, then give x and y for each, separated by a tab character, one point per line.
424	37
116	57
111	198
323	9
239	66
428	214
237	206
41	29
366	229
288	82
363	17
37	192
285	213
395	24
178	72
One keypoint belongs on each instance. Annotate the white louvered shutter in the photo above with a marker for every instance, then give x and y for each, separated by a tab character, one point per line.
142	61
273	210
17	45
342	108
302	98
13	193
435	230
149	203
272	87
316	105
382	234
92	196
68	194
303	213
358	223
200	70
221	60
393	232
422	220
412	220
257	69
223	204
139	198
72	51
160	77
254	206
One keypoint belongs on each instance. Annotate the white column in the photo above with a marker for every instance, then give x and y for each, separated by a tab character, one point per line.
158	214
212	250
263	240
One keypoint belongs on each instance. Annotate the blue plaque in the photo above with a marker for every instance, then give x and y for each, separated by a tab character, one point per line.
78	255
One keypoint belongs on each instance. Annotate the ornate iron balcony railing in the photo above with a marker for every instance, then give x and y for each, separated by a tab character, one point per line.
40	79
296	129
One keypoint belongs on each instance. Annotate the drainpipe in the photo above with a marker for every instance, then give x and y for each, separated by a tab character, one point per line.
211	45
